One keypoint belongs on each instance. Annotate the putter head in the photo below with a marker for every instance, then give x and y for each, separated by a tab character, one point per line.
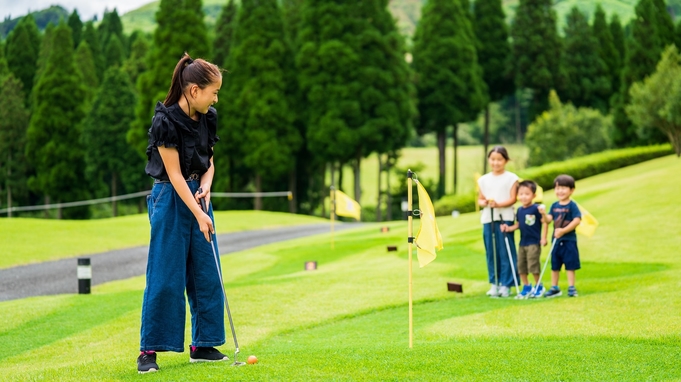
237	363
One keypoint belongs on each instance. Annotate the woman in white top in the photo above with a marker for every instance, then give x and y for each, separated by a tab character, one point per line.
498	193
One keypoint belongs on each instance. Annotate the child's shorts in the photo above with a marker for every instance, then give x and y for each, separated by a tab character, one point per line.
528	259
565	252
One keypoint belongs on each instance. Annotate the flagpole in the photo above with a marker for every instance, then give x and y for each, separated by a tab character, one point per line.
333	214
410	240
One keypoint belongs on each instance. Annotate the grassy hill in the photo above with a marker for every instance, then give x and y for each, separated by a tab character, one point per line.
408	12
347	320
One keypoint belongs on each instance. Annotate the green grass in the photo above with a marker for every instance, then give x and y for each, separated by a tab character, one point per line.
27	241
470	161
348	320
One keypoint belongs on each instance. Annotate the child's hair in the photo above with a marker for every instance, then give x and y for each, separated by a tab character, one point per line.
500	150
565	181
529	184
188	71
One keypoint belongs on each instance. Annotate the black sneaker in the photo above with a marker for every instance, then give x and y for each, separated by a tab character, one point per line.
146	362
201	354
553	292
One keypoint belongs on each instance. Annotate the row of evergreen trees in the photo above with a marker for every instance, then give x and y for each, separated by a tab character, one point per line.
310	83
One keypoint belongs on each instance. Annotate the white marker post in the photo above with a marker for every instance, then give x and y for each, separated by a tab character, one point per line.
84	275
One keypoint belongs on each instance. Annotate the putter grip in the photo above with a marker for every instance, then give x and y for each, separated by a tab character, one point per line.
203	202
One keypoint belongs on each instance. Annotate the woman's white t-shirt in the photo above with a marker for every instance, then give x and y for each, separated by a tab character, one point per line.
497	188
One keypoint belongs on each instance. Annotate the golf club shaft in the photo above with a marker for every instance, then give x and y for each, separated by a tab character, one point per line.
546	263
510	260
204	207
494	249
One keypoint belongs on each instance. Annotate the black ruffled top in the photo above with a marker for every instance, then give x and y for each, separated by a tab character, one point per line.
194	140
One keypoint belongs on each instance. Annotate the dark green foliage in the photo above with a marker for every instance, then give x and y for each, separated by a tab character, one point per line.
92	37
52	141
449	80
536	51
14	119
85	65
46	46
21	51
114	53
4	69
258	116
292	11
649	37
136	64
607	50
494	49
664	23
617	33
224	32
76	26
107	155
180	29
109	27
588	82
677	35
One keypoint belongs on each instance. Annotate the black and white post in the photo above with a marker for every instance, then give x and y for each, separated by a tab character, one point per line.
84	275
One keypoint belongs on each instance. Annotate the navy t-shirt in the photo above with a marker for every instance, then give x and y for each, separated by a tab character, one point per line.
563	215
529	222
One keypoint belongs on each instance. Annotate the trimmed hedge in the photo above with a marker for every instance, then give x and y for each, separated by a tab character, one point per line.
578	168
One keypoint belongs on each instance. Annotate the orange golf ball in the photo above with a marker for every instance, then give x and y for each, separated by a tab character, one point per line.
252	360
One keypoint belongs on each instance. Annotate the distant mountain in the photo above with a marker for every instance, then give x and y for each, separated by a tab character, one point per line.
50	15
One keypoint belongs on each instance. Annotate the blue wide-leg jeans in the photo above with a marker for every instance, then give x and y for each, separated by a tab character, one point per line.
179	259
503	266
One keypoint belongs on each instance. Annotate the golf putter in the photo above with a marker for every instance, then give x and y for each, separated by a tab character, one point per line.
204	207
510	260
494	253
546	263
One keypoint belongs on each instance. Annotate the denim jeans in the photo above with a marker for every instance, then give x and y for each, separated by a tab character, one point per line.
179	259
503	266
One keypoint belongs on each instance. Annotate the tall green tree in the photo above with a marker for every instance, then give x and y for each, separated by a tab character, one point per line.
180	29
52	140
617	32
449	83
111	26
114	53
107	155
259	113
644	48
655	100
677	33
4	69
536	51
588	82
494	51
224	32
92	37
607	51
46	47
14	117
136	63
85	64
21	50
76	26
664	23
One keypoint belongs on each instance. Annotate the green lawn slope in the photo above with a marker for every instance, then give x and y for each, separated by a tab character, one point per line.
347	321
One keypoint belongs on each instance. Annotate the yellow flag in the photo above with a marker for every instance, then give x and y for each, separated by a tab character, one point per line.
346	206
428	239
538	195
589	223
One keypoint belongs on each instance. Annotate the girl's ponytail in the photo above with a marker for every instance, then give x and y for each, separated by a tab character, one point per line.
177	83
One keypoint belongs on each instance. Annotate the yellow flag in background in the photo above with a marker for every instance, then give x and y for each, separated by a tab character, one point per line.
346	206
538	195
428	239
589	223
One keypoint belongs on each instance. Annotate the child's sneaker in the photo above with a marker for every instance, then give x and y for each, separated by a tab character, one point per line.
525	293
553	292
504	291
493	291
572	292
538	292
146	362
206	354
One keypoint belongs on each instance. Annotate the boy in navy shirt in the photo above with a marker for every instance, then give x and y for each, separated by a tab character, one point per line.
533	229
566	217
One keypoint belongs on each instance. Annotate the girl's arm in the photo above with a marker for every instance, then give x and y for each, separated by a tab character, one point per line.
509	202
171	162
482	202
206	184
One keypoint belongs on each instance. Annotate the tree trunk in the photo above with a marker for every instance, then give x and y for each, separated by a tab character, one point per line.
378	202
293	201
323	191
339	185
485	140
114	186
9	188
441	143
258	188
456	147
356	173
389	201
518	128
231	175
46	212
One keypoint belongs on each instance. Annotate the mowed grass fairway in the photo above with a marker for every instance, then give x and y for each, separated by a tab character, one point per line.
347	320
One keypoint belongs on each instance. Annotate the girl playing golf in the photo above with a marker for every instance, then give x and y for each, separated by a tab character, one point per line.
497	194
180	153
